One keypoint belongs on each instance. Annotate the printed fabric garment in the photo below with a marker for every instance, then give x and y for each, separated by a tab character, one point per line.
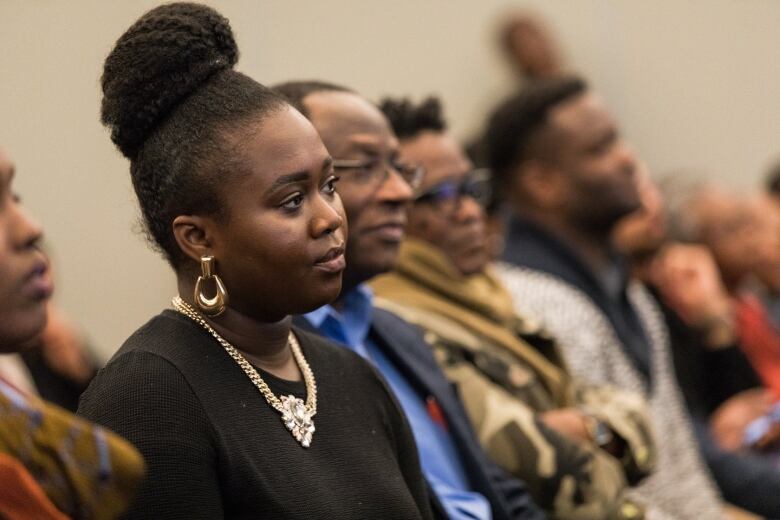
681	485
505	381
85	471
21	497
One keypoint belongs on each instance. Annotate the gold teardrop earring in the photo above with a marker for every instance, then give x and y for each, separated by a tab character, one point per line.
215	305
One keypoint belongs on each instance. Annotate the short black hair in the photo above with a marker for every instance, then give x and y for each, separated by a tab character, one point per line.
295	92
517	120
408	119
170	97
772	183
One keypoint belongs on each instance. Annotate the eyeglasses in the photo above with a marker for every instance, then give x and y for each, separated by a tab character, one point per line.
375	172
445	196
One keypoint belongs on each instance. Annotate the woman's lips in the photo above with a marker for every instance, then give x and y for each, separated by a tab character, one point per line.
333	261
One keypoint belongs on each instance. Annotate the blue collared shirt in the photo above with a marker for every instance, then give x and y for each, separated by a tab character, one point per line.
438	456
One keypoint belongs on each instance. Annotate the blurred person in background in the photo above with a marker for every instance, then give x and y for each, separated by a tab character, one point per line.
528	46
53	465
570	177
742	234
722	391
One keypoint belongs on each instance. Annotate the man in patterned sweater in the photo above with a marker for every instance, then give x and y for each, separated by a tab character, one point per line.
557	155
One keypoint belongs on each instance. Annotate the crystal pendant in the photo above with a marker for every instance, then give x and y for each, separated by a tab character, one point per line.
297	419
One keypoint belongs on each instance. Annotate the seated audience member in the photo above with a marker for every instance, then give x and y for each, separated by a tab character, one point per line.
220	394
569	177
744	241
697	308
722	391
376	188
53	465
574	445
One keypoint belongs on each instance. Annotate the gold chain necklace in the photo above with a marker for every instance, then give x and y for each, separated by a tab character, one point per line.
297	416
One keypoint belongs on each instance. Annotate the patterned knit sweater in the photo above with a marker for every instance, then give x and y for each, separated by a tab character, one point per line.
681	486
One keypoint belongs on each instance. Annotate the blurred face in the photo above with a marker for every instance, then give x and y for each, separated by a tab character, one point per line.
643	232
531	49
596	166
734	233
24	284
375	195
279	248
448	220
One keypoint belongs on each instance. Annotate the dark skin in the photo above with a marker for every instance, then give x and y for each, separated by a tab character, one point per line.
279	243
460	234
25	286
581	179
353	128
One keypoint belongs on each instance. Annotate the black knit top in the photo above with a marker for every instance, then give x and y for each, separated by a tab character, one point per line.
216	449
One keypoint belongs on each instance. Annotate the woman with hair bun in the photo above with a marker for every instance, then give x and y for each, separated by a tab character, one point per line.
238	415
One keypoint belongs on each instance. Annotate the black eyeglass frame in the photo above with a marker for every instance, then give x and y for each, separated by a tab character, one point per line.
411	174
481	176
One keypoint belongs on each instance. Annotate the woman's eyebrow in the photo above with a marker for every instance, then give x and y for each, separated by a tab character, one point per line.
291	178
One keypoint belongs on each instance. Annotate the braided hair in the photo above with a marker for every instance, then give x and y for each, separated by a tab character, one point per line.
171	100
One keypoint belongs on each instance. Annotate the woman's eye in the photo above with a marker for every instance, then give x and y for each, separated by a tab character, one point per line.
293	202
330	185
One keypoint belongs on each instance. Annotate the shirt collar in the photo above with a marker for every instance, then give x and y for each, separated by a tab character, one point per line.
354	318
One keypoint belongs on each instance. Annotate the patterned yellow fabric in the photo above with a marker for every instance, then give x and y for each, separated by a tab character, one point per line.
85	470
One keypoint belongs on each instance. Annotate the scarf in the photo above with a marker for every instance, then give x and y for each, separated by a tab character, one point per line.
424	278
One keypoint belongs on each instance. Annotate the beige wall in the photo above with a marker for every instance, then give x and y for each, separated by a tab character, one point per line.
694	82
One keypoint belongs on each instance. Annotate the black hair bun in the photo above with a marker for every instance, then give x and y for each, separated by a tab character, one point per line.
159	61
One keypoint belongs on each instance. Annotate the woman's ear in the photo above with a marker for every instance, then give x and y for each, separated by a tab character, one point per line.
193	235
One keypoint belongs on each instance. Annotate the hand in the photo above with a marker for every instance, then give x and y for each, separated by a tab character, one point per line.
729	421
569	422
771	439
690	283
